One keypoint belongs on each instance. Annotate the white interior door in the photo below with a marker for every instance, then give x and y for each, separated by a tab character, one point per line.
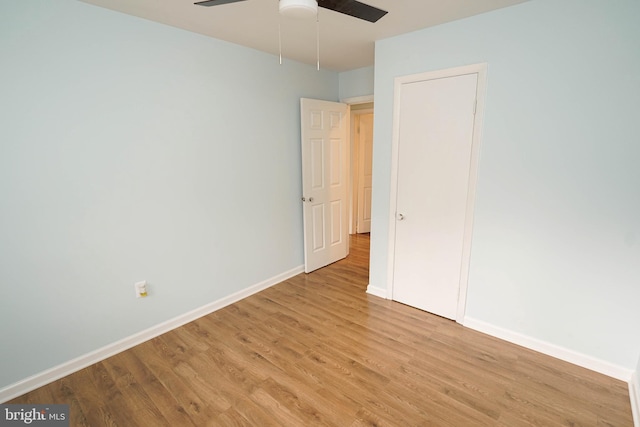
365	171
435	128
325	167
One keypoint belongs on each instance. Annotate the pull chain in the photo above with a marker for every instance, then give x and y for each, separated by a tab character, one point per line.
317	41
280	40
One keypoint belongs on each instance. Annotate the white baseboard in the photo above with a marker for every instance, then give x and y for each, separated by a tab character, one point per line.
549	349
379	292
634	394
38	380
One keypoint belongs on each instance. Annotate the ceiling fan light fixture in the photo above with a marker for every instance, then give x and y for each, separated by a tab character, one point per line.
298	8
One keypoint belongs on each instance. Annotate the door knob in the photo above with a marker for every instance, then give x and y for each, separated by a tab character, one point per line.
311	199
304	199
400	217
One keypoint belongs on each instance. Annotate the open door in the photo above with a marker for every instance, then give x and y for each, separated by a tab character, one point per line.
325	167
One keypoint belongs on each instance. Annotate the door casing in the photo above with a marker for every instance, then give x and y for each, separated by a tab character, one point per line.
357	164
357	105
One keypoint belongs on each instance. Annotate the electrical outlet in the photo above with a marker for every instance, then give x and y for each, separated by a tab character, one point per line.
141	289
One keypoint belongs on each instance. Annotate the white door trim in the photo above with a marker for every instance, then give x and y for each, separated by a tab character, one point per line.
481	71
358	100
355	165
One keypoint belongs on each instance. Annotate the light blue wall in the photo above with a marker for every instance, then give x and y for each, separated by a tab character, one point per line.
556	242
358	82
135	151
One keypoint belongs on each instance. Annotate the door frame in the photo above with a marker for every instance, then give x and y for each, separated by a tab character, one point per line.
481	71
357	161
357	100
355	165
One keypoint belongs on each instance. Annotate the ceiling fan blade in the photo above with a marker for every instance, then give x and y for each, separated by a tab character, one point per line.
216	2
354	8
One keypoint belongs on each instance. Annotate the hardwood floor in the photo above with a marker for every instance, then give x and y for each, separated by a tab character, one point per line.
317	350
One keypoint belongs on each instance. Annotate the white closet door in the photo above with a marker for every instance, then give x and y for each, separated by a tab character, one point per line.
436	126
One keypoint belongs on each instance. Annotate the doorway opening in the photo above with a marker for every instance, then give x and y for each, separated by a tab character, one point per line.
361	167
337	143
361	114
361	141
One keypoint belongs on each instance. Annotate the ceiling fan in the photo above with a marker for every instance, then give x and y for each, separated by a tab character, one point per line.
348	7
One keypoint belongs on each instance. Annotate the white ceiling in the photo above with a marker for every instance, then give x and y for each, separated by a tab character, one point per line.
346	43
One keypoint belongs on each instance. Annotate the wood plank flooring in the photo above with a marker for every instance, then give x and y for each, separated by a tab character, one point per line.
317	350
